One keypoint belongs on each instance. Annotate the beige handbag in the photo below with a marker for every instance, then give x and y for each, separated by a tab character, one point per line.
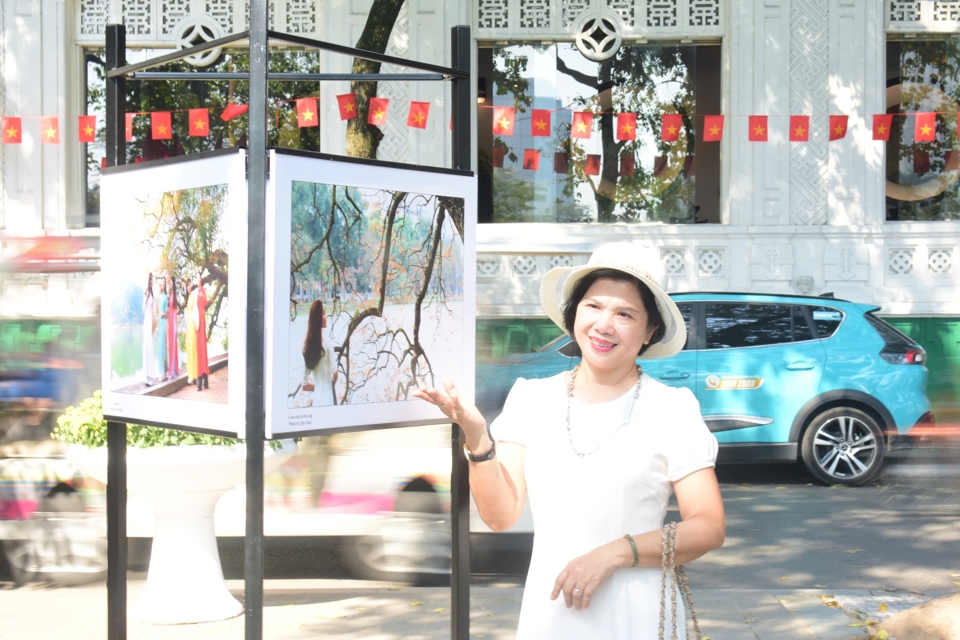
677	577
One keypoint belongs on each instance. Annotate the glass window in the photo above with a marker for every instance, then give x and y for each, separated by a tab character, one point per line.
801	330
686	310
617	174
827	321
923	75
732	325
178	97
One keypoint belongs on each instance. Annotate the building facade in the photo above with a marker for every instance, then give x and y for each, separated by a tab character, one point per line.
868	220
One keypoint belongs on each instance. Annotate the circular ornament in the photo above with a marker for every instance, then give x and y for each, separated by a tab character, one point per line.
598	34
197	30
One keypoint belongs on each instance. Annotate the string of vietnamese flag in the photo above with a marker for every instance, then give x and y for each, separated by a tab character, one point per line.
504	118
758	129
672	127
161	122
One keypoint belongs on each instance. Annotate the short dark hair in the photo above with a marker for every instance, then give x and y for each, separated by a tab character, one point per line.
646	296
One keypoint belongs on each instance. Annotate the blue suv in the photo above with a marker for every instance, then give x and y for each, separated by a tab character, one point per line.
778	378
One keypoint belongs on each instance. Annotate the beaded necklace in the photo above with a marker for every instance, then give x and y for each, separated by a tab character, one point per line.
626	419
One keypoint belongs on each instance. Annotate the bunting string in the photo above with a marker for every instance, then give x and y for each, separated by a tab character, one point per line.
505	121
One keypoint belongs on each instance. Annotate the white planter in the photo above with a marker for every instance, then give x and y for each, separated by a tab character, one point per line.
185	581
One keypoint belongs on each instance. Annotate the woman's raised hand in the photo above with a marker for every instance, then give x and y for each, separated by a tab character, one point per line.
463	413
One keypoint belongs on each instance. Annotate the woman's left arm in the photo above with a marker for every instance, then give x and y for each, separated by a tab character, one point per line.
703	529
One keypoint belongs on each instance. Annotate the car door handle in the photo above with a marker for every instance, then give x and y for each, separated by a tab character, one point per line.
802	365
674	375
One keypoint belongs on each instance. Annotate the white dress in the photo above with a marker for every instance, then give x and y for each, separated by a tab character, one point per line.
149	340
322	374
579	504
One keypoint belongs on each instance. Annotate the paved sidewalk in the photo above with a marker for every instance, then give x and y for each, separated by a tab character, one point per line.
341	610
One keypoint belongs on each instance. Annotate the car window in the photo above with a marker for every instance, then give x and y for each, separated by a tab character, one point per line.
686	310
801	330
826	320
731	325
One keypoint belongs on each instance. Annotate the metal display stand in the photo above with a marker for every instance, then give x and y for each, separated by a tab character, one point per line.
259	38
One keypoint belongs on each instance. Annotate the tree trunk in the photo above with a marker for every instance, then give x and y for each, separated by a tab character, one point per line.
362	138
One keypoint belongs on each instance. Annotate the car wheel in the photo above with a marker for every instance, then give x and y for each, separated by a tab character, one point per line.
413	545
843	446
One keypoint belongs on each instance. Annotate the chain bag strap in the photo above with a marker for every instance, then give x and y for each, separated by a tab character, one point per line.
678	577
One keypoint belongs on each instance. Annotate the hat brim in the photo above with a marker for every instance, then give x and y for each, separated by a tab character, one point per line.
558	284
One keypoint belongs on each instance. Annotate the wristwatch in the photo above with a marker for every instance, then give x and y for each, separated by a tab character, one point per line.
472	457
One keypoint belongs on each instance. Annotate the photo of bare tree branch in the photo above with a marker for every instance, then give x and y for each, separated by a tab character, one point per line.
376	293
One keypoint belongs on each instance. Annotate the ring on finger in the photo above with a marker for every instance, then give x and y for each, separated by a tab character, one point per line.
577	590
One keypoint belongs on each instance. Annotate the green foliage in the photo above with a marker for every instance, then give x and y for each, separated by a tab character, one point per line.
84	424
514	197
648	80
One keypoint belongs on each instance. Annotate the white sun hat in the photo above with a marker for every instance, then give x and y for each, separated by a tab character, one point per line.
633	259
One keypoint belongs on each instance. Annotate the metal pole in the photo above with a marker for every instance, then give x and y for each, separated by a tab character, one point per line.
116	431
256	227
459	482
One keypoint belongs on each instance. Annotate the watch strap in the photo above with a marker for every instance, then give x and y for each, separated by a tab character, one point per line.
483	457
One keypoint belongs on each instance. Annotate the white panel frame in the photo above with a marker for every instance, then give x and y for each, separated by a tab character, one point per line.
118	188
285	169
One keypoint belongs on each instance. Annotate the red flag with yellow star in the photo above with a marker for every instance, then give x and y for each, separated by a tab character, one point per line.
626	126
592	165
757	129
561	162
881	126
199	123
377	113
503	121
12	131
951	161
925	127
417	117
128	126
712	128
87	129
531	159
582	124
307	113
670	126
233	110
838	127
540	122
347	102
498	154
50	130
160	125
921	162
799	129
626	166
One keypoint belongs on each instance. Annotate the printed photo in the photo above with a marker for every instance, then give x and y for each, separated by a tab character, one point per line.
376	293
169	306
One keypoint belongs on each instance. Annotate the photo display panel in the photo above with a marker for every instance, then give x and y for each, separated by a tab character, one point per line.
371	292
173	329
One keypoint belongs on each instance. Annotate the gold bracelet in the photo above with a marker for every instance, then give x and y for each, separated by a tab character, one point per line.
633	546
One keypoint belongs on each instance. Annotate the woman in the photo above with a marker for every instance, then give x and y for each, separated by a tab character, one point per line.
318	359
190	333
600	449
149	332
200	321
173	350
198	369
162	309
